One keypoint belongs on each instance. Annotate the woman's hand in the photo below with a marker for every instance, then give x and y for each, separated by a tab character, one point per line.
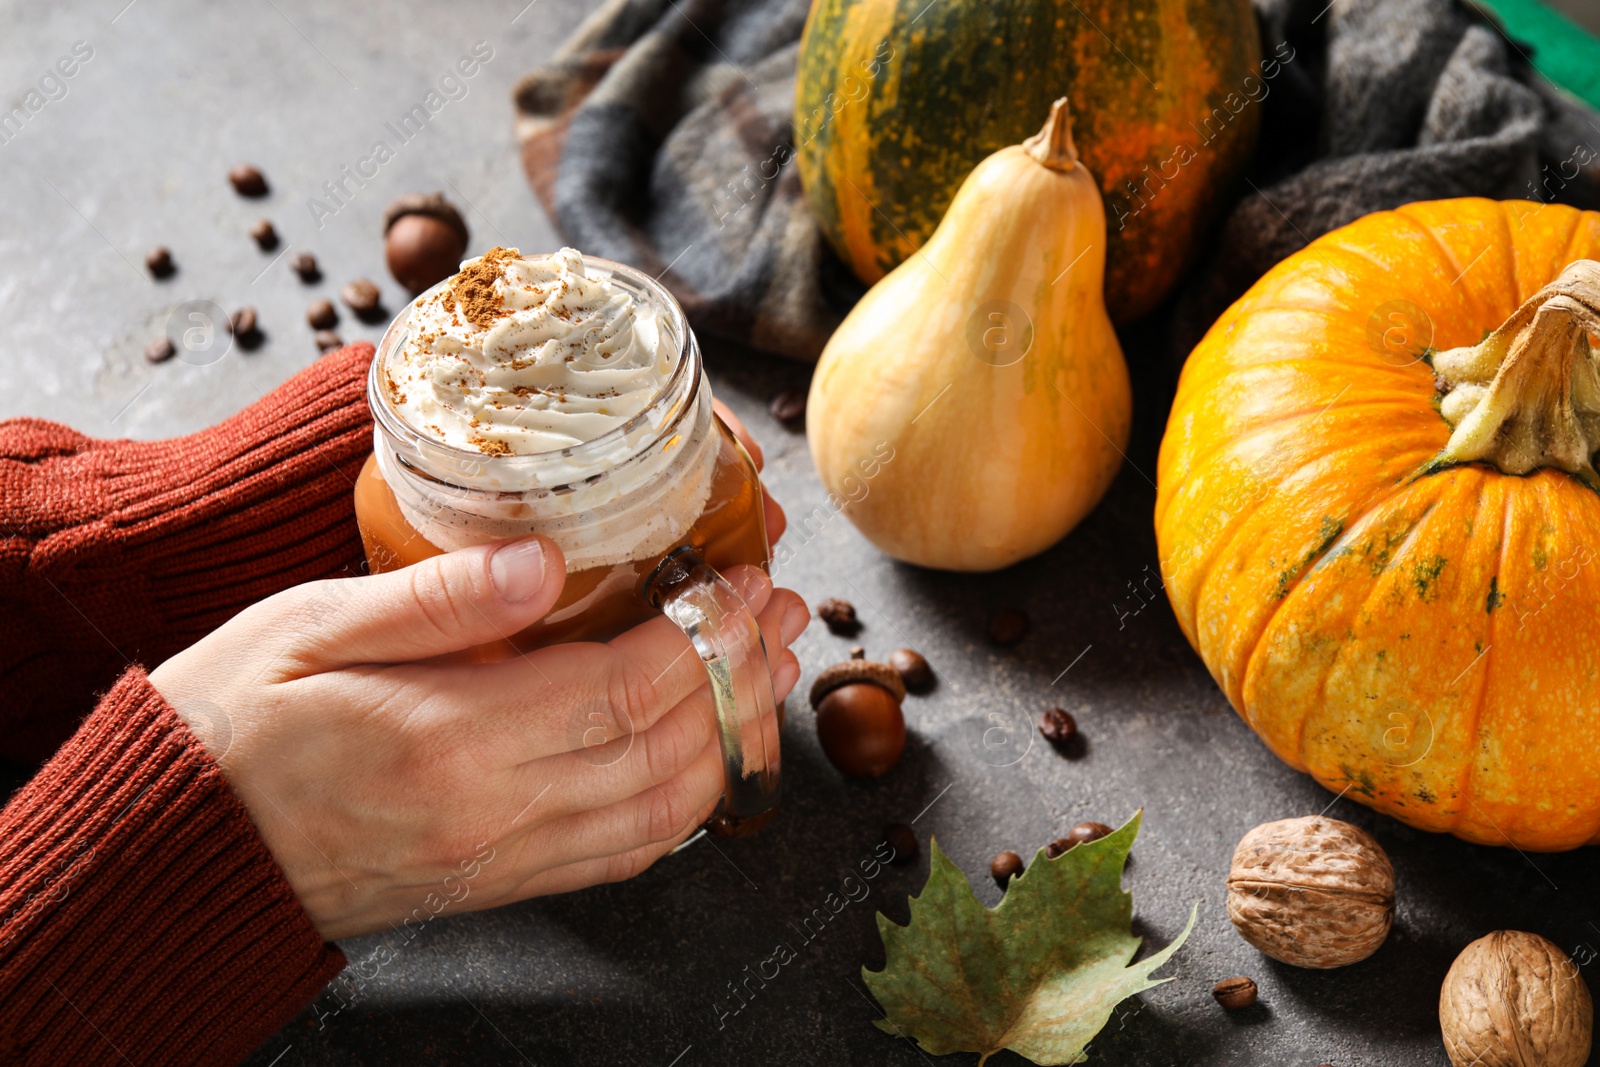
388	784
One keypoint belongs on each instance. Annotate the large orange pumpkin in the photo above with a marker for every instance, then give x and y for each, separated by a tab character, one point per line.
1378	520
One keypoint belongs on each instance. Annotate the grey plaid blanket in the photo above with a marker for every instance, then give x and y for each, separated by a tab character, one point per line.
660	137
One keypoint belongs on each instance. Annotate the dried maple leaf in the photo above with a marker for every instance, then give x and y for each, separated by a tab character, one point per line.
1039	974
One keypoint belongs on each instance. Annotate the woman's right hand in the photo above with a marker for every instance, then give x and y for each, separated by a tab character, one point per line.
388	784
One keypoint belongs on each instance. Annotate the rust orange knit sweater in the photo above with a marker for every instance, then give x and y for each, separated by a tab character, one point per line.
142	920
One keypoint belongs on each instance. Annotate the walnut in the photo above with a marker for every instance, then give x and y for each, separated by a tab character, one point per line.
1515	1000
1312	892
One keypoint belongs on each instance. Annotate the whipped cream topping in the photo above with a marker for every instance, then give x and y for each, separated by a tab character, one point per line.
518	356
513	360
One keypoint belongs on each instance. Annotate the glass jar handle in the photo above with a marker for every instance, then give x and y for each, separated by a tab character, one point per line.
719	625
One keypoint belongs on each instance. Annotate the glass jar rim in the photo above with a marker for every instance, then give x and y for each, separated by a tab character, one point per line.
592	453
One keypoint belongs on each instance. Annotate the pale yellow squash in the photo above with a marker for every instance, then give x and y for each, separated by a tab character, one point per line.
974	405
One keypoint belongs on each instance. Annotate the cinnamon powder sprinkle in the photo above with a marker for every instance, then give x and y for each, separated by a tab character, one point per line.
473	289
489	447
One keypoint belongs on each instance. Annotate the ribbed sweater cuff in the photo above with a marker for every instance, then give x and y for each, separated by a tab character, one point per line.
142	919
118	552
217	520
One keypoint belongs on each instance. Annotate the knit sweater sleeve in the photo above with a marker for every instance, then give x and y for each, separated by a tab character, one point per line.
121	552
142	920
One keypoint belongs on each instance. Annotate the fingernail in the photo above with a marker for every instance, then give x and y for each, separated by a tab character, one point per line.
517	569
795	620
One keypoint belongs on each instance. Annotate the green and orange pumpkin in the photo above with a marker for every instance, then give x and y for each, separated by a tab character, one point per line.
1379	522
897	101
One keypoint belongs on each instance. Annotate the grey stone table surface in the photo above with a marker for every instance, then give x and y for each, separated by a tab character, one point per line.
131	151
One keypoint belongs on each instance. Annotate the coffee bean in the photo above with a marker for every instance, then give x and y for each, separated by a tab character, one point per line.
327	341
305	265
903	840
839	616
159	261
1079	834
1085	832
242	324
247	180
264	235
159	350
913	668
1235	993
363	298
1004	867
1058	727
1008	626
322	315
788	405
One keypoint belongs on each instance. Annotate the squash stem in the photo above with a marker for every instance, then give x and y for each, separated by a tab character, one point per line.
1052	146
1528	395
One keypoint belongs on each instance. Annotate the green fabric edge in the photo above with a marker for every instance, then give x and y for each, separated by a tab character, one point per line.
1564	52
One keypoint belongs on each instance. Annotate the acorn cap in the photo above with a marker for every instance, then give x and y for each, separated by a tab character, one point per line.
433	205
852	671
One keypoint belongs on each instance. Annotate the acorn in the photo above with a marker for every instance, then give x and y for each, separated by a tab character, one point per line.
424	240
859	721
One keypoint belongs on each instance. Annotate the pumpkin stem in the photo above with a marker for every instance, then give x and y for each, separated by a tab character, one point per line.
1052	145
1528	395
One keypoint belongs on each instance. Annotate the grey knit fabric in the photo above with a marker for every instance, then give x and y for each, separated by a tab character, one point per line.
660	136
1388	102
